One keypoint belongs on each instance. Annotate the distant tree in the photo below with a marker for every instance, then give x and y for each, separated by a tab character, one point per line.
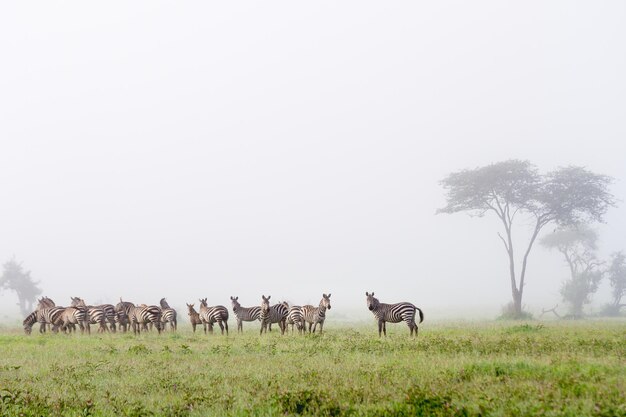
513	189
578	246
616	274
14	278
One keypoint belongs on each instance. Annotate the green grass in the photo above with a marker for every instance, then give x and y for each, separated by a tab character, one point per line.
488	369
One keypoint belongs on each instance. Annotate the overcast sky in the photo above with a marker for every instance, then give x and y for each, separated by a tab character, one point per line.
193	149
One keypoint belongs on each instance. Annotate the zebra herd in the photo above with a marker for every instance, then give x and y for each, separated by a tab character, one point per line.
140	317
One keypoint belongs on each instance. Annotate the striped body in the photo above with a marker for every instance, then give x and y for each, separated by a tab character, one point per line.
244	313
272	314
295	316
71	317
168	315
108	314
51	317
316	315
393	313
215	314
140	316
30	321
122	321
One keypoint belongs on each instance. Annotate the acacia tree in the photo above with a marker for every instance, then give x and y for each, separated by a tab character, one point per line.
513	189
616	274
14	278
578	247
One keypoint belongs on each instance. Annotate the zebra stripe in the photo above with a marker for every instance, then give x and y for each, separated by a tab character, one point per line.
272	314
140	316
50	316
122	320
30	321
215	314
108	309
393	313
72	316
296	317
194	318
244	313
316	315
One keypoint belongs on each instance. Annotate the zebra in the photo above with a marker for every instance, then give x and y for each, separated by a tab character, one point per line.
30	321
44	302
108	309
315	315
72	316
140	315
274	314
215	314
244	313
295	316
51	317
122	320
393	313
100	314
194	318
168	315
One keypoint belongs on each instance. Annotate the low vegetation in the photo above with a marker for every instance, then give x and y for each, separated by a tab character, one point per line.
499	369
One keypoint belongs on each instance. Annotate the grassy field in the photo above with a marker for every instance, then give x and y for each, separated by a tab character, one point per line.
498	368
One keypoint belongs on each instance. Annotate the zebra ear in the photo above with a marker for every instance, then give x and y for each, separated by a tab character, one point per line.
328	296
268	297
372	294
236	298
231	297
367	294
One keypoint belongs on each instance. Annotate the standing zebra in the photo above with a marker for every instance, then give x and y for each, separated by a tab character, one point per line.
295	316
315	315
168	315
71	317
393	313
99	315
122	321
51	317
140	316
108	310
44	302
194	318
274	314
215	314
244	313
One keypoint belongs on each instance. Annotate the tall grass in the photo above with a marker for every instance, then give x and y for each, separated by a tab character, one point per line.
455	369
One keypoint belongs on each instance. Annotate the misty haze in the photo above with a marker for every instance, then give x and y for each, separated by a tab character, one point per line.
187	151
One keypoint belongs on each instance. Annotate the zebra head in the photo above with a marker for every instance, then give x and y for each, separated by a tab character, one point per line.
77	302
265	304
235	302
164	303
325	301
203	304
372	302
45	302
190	310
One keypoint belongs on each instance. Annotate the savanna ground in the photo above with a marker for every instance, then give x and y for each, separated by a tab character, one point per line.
471	369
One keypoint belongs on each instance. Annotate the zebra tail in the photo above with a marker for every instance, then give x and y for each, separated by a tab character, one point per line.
421	314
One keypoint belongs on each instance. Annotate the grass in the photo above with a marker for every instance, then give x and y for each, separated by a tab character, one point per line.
487	369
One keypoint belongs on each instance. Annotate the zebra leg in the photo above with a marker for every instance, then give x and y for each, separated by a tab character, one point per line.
226	326
385	328
380	327
221	326
321	326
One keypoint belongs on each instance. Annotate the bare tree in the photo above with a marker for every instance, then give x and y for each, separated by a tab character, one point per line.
513	189
14	278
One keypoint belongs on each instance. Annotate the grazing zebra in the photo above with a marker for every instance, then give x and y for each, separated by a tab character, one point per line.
274	314
108	309
194	318
141	315
215	314
393	313
244	313
316	315
295	316
71	317
168	315
30	321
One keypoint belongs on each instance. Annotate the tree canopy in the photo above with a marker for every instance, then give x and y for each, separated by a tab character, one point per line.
14	278
566	196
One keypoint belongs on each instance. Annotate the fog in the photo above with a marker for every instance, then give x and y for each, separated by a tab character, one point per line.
186	150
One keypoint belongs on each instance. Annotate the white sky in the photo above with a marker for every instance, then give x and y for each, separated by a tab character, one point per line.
192	149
